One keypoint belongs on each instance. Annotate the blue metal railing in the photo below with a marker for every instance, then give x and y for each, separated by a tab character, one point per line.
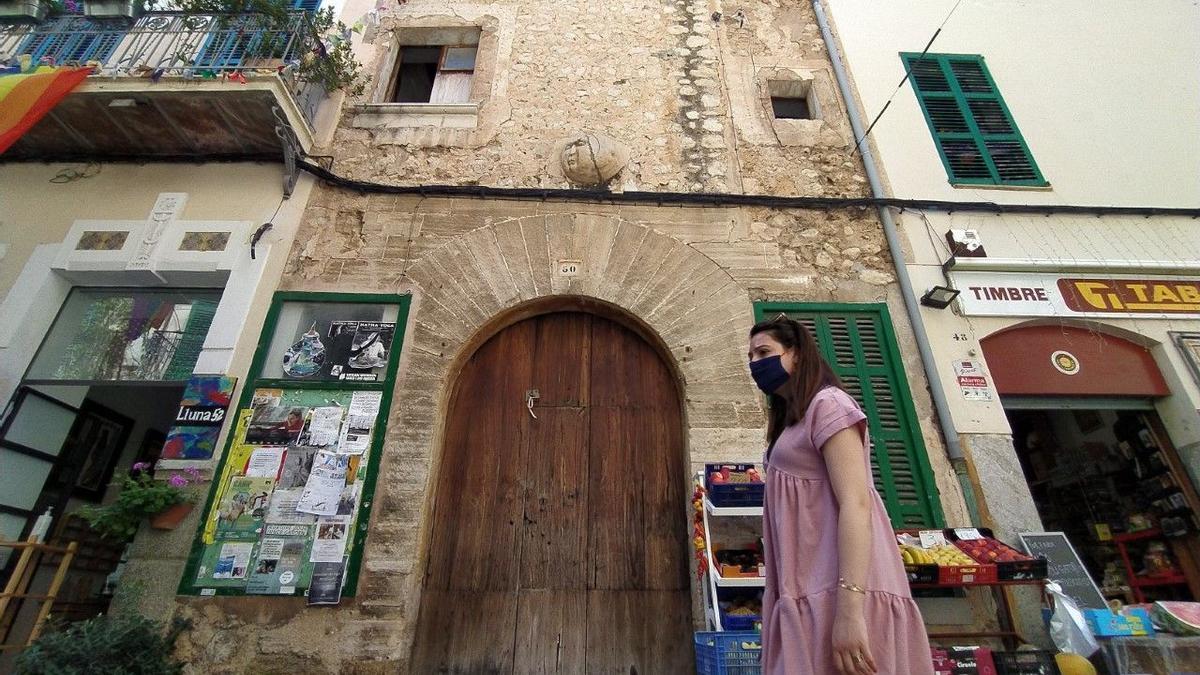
174	45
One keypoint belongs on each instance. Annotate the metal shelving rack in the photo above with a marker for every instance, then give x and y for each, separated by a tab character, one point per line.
713	579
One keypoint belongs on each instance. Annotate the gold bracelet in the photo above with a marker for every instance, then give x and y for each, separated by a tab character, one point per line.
851	587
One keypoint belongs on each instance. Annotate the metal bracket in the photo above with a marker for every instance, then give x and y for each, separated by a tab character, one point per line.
291	150
531	395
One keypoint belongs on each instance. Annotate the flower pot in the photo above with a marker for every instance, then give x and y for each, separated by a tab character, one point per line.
113	9
169	518
23	11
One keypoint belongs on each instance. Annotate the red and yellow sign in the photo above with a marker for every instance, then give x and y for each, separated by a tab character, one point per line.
1153	296
1038	294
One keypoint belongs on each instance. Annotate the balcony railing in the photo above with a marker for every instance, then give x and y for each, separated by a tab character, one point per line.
175	45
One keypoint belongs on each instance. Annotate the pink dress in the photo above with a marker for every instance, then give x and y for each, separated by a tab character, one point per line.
800	535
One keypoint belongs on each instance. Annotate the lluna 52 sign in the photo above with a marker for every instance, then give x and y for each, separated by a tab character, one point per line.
1024	294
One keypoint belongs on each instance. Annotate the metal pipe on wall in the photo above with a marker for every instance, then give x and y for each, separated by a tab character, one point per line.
953	449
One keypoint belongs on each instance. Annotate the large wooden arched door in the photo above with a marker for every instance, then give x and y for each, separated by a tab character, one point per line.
559	544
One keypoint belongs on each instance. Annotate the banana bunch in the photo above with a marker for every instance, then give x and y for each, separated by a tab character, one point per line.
948	555
915	555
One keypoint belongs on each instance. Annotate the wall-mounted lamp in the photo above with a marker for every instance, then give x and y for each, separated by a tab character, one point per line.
939	297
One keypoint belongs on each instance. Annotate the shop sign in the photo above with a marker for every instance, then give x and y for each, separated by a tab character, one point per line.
198	420
1032	294
971	381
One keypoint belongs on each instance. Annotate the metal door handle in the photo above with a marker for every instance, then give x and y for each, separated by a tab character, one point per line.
531	396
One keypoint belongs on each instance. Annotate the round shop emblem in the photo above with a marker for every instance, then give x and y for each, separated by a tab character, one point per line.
286	577
1065	362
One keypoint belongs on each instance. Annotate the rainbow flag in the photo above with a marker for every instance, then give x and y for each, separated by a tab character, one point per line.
26	97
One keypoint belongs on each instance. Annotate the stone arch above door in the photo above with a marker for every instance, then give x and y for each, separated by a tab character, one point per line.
692	305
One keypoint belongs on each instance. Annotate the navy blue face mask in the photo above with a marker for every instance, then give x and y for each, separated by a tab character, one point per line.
769	373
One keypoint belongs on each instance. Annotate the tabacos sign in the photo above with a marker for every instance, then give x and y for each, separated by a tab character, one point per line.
1025	294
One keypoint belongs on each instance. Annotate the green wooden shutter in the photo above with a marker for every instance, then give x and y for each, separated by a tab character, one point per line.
183	361
859	343
974	131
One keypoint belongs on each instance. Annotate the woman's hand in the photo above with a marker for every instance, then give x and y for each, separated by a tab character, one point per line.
851	647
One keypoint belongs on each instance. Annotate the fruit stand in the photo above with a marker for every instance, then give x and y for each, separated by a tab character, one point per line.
731	572
966	558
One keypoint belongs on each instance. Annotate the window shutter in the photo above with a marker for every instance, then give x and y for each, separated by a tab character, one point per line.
183	361
858	342
306	5
974	131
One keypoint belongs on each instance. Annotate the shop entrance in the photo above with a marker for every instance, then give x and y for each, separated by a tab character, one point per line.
1108	480
1100	466
100	395
558	539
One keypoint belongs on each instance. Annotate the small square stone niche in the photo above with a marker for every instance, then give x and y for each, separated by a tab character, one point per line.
792	100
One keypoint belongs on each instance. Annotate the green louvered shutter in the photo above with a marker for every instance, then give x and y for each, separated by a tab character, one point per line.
860	345
976	136
183	361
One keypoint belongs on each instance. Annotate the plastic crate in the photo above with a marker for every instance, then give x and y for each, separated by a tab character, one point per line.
1013	570
728	653
740	622
1025	663
733	494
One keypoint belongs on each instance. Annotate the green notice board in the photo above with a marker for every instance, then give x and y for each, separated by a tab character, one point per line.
294	488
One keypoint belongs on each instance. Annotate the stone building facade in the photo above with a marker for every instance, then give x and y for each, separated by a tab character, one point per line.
677	96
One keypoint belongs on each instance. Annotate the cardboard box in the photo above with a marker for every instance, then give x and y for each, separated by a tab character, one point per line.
1131	621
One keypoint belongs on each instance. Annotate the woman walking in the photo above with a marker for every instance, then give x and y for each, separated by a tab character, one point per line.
836	600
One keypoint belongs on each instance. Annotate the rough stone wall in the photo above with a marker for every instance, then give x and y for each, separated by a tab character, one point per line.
682	83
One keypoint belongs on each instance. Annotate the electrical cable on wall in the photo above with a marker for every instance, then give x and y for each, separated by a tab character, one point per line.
715	199
907	75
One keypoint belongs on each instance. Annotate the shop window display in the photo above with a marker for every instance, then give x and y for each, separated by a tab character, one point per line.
1107	480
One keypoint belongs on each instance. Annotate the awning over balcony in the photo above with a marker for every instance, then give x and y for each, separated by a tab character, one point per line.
172	86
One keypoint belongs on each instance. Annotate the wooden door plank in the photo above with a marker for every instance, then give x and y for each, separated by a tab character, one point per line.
554	546
551	627
665	514
465	632
615	516
561	352
639	632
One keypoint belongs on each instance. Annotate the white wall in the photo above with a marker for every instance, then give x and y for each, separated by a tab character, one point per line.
1105	92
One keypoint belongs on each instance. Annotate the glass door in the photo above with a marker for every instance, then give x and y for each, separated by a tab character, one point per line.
32	436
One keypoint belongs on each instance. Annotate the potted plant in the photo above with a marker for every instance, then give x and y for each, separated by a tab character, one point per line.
142	497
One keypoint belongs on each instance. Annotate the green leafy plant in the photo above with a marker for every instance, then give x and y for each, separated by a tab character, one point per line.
328	59
105	645
141	497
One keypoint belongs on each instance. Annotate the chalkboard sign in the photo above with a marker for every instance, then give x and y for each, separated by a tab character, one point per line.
1065	567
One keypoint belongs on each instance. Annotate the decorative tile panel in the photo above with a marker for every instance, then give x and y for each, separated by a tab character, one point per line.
204	241
102	240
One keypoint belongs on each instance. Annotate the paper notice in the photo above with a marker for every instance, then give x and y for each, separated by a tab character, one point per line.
278	566
356	432
234	560
264	462
282	508
347	505
326	586
325	483
330	544
324	426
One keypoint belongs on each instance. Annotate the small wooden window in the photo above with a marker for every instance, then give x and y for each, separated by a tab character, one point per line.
435	74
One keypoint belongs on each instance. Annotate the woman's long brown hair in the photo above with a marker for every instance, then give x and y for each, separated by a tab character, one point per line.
812	373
